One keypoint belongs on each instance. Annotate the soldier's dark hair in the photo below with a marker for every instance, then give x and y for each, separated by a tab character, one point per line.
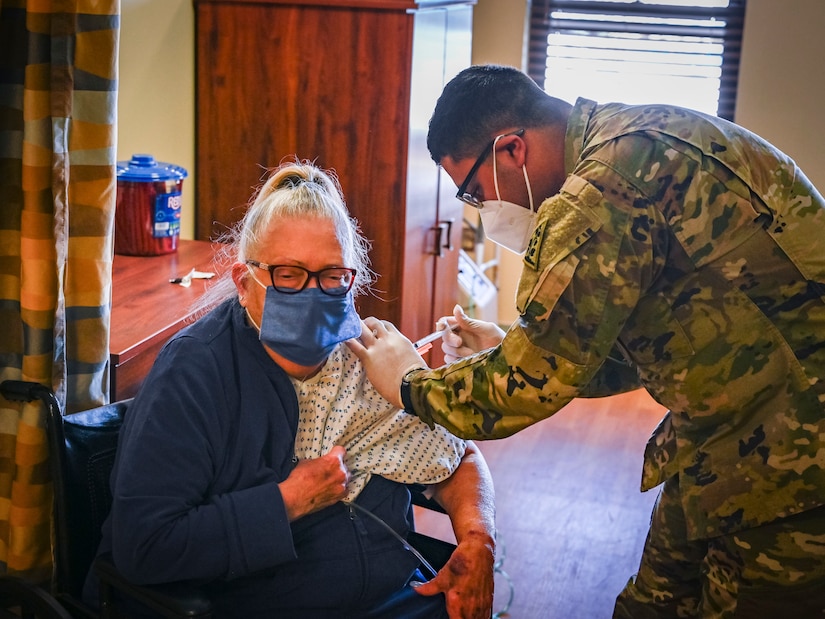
479	103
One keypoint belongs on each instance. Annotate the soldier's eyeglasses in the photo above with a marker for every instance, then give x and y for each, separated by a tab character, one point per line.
462	194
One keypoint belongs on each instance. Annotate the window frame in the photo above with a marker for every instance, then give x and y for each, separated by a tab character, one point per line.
542	24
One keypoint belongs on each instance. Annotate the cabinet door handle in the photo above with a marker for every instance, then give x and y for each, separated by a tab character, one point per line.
442	228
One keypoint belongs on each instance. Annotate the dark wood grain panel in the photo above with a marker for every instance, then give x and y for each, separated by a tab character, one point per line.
289	91
357	4
349	85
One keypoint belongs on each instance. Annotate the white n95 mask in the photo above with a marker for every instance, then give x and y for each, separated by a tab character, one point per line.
506	223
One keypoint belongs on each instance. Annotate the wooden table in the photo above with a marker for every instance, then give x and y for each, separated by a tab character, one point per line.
147	310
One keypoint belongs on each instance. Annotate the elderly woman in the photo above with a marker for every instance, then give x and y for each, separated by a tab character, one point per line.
256	445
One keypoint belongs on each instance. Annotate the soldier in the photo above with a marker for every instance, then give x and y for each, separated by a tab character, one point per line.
663	248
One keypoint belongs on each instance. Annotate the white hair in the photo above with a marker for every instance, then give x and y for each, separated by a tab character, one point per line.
293	189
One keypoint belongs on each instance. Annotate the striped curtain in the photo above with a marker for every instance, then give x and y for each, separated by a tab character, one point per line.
58	96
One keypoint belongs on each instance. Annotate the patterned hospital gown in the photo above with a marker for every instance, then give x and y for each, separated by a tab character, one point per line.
339	406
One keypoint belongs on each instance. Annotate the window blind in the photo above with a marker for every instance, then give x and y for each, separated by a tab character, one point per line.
670	51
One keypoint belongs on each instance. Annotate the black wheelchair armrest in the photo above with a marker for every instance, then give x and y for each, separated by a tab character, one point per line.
173	600
436	551
418	498
29	599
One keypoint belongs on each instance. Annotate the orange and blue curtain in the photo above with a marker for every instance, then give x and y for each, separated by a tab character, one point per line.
58	106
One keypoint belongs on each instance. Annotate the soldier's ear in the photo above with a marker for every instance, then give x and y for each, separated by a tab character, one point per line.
513	147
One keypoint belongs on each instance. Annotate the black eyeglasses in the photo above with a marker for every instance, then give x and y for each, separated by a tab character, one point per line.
289	279
462	194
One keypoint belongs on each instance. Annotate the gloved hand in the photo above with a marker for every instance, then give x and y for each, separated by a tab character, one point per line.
468	335
386	355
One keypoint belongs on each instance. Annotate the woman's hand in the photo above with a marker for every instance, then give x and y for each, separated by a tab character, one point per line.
468	498
467	335
315	484
466	580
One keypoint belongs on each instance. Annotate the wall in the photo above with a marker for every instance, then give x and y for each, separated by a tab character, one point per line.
156	100
782	81
499	37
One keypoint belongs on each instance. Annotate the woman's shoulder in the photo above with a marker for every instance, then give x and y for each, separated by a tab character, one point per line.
218	320
201	349
216	331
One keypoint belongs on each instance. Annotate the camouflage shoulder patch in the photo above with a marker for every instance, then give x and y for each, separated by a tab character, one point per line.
531	256
565	221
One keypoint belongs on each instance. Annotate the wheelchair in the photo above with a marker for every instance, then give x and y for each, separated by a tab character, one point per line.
82	448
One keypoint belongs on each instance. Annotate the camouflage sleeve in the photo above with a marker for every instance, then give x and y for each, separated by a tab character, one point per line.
582	276
614	376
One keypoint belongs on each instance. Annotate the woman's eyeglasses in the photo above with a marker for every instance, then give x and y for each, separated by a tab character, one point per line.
334	281
462	194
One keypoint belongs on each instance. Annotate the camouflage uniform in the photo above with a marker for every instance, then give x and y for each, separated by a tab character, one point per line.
774	571
694	251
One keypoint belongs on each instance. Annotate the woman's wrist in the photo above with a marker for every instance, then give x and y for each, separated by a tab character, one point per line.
480	539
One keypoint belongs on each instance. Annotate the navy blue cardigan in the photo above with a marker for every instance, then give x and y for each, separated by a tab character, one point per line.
195	485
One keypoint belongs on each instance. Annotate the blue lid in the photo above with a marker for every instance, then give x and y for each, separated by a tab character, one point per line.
145	168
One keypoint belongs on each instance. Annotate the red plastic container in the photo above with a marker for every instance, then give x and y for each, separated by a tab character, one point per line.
147	215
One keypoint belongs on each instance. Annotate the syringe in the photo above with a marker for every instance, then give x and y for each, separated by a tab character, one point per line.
426	342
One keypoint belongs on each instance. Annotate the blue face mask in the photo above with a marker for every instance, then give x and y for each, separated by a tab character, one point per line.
305	327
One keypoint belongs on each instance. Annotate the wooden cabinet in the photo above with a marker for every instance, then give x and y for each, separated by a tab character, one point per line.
350	85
